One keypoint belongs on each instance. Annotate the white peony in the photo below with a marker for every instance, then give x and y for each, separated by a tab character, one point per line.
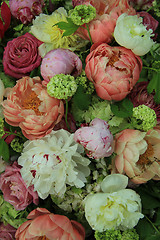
52	162
132	34
116	210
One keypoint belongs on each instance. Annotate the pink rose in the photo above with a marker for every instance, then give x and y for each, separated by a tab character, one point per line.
21	56
113	70
7	232
29	106
60	61
6	19
45	225
96	139
26	10
15	190
137	155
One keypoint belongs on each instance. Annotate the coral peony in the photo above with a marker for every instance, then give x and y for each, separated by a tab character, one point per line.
30	107
140	96
14	188
113	70
137	155
6	19
24	10
7	232
96	139
21	56
45	225
60	61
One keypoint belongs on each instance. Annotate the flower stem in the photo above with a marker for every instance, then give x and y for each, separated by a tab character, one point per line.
89	34
152	224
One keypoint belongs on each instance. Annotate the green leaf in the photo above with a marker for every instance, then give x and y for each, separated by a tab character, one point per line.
144	229
4	150
123	108
18	27
148	201
81	99
157	221
69	27
154	85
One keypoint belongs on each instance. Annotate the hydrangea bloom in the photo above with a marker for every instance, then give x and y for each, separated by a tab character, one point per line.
52	162
111	210
132	34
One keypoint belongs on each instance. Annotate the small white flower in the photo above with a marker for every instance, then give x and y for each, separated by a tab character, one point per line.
132	34
2	90
114	210
52	162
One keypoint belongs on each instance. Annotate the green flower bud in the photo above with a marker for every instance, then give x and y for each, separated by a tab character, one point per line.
2	132
144	118
62	86
16	145
82	14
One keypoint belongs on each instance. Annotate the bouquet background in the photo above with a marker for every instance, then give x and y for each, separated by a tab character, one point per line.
79	120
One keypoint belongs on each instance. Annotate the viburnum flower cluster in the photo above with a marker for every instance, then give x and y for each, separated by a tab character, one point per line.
79	119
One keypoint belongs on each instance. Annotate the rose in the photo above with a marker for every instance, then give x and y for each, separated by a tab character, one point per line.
7	232
96	139
14	188
29	106
6	19
21	56
113	70
137	155
55	227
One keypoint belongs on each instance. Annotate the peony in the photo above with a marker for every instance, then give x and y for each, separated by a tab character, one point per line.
132	34
113	70
30	107
116	208
52	162
60	61
14	188
7	232
55	227
25	10
96	139
21	56
6	19
137	155
102	27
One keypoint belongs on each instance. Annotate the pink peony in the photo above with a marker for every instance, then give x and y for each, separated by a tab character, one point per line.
45	225
7	232
14	188
137	155
140	96
31	108
113	70
60	61
21	56
6	19
102	27
96	139
25	10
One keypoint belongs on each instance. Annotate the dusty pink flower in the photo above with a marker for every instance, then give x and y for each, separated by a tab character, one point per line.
113	70
9	138
29	106
6	19
21	56
26	10
60	61
95	138
14	188
45	225
7	232
137	155
140	96
149	22
102	27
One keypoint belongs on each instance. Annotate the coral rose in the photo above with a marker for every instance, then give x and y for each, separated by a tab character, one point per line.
45	225
29	106
15	190
137	155
113	70
21	56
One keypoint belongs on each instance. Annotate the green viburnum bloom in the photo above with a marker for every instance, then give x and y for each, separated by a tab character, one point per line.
85	83
2	132
82	14
16	145
62	86
144	118
8	214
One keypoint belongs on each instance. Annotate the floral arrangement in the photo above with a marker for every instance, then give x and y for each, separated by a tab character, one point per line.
80	120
